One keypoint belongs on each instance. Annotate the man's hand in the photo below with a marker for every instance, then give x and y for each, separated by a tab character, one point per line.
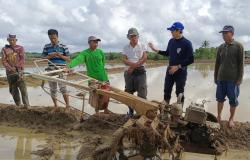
134	65
238	83
58	55
152	47
52	55
130	70
69	71
20	75
13	69
173	69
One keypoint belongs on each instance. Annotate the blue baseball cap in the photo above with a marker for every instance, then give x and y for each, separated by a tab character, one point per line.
176	26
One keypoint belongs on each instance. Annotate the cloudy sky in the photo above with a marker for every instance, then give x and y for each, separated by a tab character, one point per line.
110	19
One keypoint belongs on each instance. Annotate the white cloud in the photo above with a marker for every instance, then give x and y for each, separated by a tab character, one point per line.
110	20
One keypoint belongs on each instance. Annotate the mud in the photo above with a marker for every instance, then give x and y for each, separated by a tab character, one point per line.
62	127
95	131
237	137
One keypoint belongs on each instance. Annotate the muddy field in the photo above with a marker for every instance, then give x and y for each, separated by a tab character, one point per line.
62	127
93	131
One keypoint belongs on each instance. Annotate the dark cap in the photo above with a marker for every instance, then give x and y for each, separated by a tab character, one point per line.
11	36
227	28
93	38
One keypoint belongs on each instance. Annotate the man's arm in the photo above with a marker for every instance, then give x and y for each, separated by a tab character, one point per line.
5	62
80	59
143	59
45	54
138	63
217	65
65	56
20	63
189	57
163	53
241	65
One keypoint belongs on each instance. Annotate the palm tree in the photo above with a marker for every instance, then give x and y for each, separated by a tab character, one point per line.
205	44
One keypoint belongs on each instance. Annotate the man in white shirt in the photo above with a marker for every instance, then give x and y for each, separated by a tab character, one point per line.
134	57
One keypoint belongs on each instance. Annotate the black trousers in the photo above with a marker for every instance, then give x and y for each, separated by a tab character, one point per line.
179	79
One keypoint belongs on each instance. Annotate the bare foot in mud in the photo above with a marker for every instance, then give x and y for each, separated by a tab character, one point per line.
55	110
67	109
107	111
231	123
219	119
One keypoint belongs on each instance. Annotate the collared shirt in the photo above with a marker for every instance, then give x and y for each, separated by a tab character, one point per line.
13	58
180	52
134	54
229	65
59	48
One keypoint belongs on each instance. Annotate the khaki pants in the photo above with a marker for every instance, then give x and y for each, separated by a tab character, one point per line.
17	85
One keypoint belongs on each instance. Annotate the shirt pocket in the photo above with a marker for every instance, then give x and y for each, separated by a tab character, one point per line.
138	53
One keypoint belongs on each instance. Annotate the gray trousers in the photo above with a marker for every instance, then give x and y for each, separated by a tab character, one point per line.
136	83
17	85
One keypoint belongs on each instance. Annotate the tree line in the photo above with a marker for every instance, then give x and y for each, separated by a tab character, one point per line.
203	52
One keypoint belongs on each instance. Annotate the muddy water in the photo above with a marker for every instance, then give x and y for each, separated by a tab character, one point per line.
199	86
19	143
16	143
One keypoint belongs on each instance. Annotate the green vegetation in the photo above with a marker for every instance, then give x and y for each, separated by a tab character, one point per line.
111	56
205	52
33	55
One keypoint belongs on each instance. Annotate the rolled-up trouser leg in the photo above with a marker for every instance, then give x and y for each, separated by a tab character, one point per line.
24	93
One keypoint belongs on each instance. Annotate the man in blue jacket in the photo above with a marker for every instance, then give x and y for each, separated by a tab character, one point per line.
180	53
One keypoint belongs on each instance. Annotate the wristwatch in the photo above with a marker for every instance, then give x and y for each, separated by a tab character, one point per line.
179	66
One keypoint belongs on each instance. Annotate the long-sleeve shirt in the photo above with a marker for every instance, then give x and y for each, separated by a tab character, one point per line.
13	58
180	52
95	63
229	64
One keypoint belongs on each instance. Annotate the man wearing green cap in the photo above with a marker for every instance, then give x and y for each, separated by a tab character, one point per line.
94	59
134	57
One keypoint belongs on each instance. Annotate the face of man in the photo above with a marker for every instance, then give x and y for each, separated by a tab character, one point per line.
176	34
53	39
12	41
227	36
93	45
133	39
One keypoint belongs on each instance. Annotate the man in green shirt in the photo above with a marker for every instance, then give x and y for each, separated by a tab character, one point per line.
94	59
